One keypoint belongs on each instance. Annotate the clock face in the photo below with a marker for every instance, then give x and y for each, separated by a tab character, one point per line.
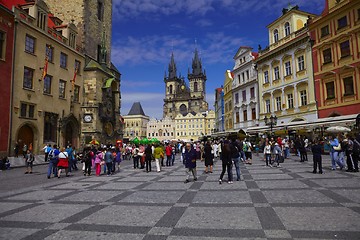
109	129
182	87
87	118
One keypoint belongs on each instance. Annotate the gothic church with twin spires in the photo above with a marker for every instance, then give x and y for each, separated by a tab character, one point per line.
181	98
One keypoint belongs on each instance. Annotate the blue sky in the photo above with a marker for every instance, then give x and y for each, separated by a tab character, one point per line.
146	32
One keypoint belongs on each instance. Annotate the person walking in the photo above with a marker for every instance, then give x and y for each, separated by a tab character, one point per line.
53	158
226	161
16	149
87	158
235	157
63	162
158	155
190	162
148	158
109	161
99	157
316	149
47	150
136	157
208	157
24	149
356	153
29	160
267	153
168	152
277	153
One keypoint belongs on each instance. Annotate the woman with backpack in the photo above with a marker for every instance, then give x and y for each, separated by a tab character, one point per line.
226	162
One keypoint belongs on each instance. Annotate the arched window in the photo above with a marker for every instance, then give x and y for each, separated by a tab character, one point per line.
287	29
171	89
195	86
276	35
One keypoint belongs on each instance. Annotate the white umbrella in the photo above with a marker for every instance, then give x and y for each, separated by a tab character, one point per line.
338	129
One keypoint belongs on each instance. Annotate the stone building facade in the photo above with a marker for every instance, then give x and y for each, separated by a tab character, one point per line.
181	98
48	79
163	129
136	122
228	102
219	110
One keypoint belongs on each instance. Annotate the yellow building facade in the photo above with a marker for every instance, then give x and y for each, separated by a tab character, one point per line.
46	105
228	102
163	129
285	73
135	123
193	126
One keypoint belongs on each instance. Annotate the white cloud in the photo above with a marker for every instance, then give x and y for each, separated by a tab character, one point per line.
204	23
151	102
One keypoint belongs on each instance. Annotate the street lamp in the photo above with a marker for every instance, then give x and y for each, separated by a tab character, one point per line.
271	121
59	129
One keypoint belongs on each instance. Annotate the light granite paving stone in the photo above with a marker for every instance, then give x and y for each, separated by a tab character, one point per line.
213	218
325	175
119	185
277	234
338	182
319	219
127	216
210	238
95	179
353	194
224	186
271	176
160	231
92	196
296	196
265	170
154	197
58	226
77	235
167	186
276	184
15	233
39	195
137	179
8	206
219	233
173	179
73	185
46	213
230	197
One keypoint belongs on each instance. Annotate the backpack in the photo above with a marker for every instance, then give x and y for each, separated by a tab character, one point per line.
234	151
356	147
245	147
51	154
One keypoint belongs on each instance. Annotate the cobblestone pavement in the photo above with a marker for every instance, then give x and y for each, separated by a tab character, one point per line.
269	203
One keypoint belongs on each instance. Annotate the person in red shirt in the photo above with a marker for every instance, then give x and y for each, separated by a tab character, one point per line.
168	152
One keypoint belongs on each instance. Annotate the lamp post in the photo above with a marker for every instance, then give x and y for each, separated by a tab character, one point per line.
271	121
59	130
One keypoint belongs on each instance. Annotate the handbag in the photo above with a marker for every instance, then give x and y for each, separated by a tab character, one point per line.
338	147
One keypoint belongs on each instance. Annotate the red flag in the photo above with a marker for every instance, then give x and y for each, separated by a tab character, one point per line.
74	78
44	73
122	119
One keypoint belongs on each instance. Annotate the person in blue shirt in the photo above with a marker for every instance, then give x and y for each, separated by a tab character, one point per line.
109	158
53	158
335	153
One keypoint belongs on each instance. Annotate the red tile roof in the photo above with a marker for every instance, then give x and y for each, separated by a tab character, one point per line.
10	3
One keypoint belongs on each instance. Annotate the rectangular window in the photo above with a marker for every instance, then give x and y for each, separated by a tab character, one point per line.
288	68
266	77
342	22
239	78
345	49
50	127
348	86
245	115
49	52
29	44
267	106
47	84
243	76
2	44
278	103
252	92
253	114
325	31
237	117
63	60
290	100
244	95
28	78
62	87
301	63
236	97
330	90
76	93
303	98
27	110
100	10
358	12
77	66
247	75
327	55
276	73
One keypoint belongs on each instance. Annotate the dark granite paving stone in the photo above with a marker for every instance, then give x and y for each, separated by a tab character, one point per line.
188	197
315	205
155	237
355	209
108	228
284	170
247	177
196	185
144	185
60	197
79	216
120	196
336	197
348	235
295	175
222	205
171	218
16	194
221	233
310	183
258	197
73	202
18	224
40	234
269	219
251	184
143	204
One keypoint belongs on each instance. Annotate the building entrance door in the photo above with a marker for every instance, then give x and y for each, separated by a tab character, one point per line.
25	136
69	133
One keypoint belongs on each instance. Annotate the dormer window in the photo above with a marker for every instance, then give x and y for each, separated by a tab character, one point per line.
287	28
41	20
72	39
276	35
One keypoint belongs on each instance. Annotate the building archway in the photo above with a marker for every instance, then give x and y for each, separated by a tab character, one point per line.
70	131
25	136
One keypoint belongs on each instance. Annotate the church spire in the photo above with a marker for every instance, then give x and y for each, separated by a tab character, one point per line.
196	64
172	67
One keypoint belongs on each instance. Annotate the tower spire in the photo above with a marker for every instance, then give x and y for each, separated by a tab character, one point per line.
172	67
196	64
